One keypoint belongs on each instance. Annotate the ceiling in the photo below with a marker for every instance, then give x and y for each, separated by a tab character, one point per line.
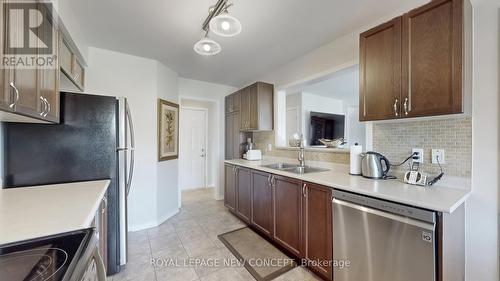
274	32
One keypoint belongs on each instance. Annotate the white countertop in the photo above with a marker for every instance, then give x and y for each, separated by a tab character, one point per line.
437	198
37	211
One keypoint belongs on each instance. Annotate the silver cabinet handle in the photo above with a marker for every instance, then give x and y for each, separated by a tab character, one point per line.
405	105
76	76
304	186
396	107
48	107
273	181
16	91
269	180
44	106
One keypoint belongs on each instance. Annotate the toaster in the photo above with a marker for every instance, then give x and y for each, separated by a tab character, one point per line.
253	155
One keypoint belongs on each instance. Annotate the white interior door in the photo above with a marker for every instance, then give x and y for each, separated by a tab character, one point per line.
193	148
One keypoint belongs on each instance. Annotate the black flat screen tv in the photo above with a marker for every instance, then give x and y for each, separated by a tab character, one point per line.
326	126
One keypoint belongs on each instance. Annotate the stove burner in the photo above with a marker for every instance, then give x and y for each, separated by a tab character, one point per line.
39	264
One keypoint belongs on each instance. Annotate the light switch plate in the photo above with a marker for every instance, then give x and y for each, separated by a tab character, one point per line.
438	153
420	154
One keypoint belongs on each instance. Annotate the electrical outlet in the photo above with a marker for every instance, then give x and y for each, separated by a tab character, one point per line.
438	153
420	155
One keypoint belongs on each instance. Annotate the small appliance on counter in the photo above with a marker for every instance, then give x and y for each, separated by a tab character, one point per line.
253	155
374	165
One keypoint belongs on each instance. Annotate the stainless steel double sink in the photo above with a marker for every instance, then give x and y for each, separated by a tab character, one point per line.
293	168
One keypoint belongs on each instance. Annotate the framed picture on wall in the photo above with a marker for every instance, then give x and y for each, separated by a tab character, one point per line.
168	130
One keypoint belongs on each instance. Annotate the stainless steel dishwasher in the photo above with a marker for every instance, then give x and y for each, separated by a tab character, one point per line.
382	240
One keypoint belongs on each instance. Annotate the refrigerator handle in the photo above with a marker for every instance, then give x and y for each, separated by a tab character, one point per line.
132	147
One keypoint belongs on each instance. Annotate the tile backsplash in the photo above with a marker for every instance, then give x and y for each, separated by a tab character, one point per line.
262	139
395	141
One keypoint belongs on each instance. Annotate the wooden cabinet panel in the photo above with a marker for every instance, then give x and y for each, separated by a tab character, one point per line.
318	228
237	101
380	72
65	57
78	73
262	204
287	210
245	109
432	59
253	98
228	145
243	194
237	136
49	78
230	187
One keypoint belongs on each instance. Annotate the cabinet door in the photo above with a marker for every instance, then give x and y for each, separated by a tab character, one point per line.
24	81
78	74
65	57
245	109
49	77
243	194
432	59
230	188
262	202
287	210
237	136
237	101
380	72
229	137
253	97
318	228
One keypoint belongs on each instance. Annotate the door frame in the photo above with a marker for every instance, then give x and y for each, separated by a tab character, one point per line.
181	143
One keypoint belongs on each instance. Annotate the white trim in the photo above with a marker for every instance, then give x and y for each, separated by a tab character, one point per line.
160	220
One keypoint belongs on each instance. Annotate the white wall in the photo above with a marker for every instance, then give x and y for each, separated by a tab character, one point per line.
199	90
482	207
153	195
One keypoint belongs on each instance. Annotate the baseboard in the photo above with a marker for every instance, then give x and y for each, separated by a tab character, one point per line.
160	220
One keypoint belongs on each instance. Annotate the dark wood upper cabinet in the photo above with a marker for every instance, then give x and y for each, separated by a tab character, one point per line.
418	64
230	187
243	194
257	107
233	136
432	56
287	210
380	72
318	244
233	102
262	202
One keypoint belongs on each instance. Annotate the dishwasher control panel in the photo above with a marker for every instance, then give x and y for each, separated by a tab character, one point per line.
391	207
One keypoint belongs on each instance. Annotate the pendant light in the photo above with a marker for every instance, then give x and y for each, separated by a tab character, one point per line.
207	47
225	25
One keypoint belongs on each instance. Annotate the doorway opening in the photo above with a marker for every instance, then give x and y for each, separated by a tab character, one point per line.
198	148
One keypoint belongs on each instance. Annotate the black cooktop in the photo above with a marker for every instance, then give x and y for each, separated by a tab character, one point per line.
44	259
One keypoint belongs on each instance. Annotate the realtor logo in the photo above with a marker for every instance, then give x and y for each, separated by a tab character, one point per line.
28	38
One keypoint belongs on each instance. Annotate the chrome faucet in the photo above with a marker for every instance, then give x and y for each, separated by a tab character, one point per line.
302	153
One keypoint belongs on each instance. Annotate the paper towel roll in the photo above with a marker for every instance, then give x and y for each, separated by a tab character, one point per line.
355	163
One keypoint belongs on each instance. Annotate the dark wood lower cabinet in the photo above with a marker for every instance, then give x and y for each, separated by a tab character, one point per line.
243	194
318	244
262	204
287	210
230	187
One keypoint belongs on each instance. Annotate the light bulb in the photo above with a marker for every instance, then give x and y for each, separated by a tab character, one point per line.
206	47
225	25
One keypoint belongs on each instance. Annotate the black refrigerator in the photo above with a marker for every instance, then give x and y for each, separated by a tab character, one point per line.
93	141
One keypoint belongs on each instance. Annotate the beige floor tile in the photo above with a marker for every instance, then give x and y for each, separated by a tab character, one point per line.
184	225
176	274
136	271
200	247
224	274
164	241
298	274
164	228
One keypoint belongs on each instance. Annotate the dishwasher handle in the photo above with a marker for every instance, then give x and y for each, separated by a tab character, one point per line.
391	216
